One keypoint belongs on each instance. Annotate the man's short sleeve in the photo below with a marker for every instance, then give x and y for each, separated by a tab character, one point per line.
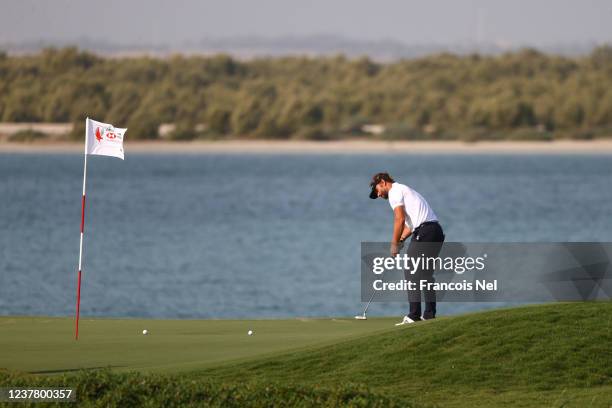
396	198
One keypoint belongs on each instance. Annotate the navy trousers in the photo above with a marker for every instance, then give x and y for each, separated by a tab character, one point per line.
426	242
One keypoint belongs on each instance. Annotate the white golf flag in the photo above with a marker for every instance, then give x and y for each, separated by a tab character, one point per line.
103	139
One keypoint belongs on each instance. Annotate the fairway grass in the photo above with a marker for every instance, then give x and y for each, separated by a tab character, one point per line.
553	355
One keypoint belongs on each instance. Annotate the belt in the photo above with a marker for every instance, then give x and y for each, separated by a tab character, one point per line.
425	223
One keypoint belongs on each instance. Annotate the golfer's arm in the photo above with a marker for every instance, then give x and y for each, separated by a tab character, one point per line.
406	233
398	224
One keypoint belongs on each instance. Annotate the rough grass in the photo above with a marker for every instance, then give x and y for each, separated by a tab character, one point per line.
103	388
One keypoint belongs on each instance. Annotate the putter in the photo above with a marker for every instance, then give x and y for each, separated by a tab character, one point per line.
363	316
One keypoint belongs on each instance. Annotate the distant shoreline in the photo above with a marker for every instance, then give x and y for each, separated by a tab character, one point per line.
598	146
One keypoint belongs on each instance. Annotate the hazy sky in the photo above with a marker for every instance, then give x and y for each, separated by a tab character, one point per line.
517	22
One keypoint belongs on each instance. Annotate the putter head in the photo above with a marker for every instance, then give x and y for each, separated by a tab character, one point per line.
361	317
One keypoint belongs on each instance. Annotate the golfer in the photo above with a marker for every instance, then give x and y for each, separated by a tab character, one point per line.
410	209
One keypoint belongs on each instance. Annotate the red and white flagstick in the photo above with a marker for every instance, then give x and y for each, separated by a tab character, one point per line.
78	303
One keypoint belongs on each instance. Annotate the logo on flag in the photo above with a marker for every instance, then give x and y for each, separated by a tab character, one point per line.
103	139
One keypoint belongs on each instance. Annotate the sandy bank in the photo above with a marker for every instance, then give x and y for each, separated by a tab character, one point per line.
331	147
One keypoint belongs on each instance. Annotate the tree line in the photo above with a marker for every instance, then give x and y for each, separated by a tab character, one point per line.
523	95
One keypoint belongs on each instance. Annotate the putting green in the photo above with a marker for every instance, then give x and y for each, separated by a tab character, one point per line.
556	354
47	345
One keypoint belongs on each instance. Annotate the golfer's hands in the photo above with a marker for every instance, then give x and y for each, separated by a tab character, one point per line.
396	247
407	232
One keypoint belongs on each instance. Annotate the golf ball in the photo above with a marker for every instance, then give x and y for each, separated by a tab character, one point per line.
250	332
145	331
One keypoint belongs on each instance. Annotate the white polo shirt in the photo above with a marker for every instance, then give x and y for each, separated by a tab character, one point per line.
416	208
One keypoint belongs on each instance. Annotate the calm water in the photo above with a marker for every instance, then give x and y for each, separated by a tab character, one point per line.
217	236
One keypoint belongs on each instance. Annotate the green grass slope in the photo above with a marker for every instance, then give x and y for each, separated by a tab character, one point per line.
551	355
556	355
